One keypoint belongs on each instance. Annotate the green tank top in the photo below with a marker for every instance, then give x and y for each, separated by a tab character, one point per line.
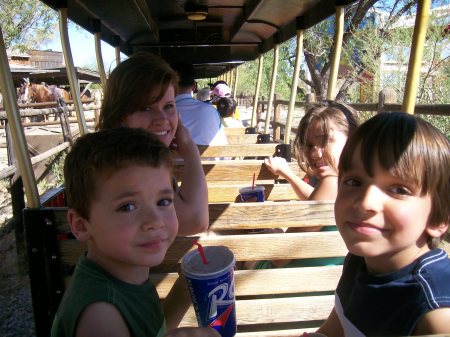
138	304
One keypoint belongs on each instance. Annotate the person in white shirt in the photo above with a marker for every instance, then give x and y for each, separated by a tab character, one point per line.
201	119
227	108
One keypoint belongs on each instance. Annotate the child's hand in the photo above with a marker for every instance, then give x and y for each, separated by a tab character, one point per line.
192	332
277	165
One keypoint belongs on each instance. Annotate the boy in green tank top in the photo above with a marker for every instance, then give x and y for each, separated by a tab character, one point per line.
120	193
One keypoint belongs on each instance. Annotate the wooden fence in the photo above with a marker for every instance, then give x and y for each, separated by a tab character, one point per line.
384	104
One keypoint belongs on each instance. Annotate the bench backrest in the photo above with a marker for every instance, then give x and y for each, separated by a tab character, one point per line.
242	150
237	171
289	299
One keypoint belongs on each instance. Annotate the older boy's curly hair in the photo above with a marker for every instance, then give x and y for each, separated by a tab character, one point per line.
100	154
409	148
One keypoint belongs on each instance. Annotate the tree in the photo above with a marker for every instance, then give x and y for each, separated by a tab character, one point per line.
364	42
26	24
248	73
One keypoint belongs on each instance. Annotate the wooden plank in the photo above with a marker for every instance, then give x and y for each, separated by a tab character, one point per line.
236	170
249	247
238	150
229	192
242	139
279	333
230	216
234	131
276	310
267	281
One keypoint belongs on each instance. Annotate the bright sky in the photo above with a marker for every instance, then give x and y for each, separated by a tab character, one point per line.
83	49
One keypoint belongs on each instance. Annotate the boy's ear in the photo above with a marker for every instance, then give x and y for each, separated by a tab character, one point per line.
78	225
437	231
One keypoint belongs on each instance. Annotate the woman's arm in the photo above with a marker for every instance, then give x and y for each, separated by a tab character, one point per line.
191	203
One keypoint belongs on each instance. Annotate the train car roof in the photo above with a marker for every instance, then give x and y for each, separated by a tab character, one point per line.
234	31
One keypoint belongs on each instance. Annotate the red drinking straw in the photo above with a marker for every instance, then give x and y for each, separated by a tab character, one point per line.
253	181
201	251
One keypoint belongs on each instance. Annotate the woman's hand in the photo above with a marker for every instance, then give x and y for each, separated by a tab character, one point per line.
183	142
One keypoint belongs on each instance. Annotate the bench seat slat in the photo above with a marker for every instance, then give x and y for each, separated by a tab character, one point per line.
242	139
267	281
236	170
270	214
238	150
276	310
249	247
229	192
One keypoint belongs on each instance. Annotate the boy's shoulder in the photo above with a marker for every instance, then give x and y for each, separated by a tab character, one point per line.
434	268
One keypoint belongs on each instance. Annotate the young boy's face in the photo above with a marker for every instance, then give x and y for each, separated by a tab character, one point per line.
381	218
159	118
132	220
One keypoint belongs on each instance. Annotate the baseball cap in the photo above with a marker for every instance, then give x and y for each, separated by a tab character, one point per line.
213	85
222	90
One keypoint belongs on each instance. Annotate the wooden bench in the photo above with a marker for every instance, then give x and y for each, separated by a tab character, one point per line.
245	136
272	302
225	177
237	171
240	130
244	150
228	192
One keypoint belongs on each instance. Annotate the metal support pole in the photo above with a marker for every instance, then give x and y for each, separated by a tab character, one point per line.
258	85
336	54
17	134
291	107
117	53
70	68
415	58
99	57
236	76
276	52
116	41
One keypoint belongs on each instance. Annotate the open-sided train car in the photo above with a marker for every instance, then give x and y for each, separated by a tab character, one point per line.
215	35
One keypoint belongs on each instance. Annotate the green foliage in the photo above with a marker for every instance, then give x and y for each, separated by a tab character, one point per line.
248	73
57	168
26	24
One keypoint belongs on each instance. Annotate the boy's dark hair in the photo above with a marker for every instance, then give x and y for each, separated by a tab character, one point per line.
344	117
409	148
140	80
98	155
226	106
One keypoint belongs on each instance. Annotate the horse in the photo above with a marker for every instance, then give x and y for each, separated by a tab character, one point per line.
39	93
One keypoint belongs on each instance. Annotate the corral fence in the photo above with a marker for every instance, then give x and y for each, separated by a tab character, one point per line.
386	102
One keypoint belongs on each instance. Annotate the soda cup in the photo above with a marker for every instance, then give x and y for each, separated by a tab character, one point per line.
249	193
211	287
